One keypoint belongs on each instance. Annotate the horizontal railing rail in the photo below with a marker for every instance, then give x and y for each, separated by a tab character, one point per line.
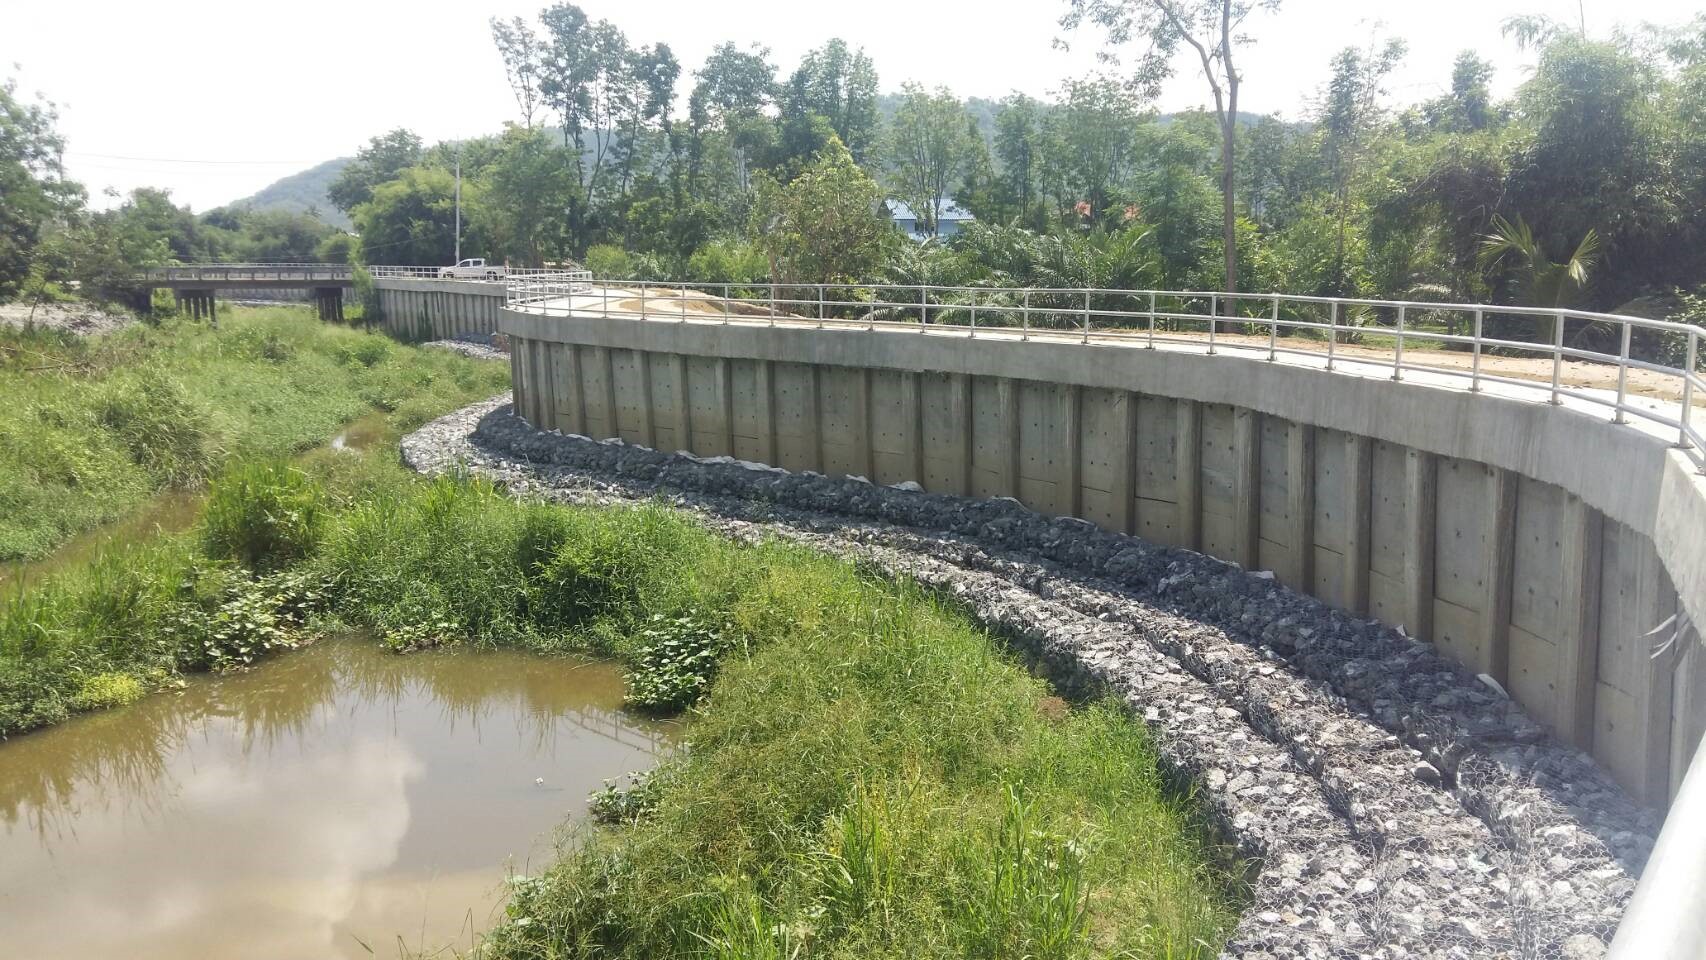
1633	367
249	271
568	274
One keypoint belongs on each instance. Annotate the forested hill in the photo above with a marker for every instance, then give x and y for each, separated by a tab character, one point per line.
302	193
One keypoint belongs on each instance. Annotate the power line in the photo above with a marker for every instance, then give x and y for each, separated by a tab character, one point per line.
115	156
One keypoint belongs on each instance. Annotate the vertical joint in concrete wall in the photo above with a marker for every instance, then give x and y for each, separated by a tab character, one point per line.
726	403
1421	488
1247	486
611	427
1074	428
572	359
1188	457
1007	396
648	429
1578	643
1125	466
766	374
814	417
1501	565
913	407
865	444
1359	485
961	384
681	397
1300	502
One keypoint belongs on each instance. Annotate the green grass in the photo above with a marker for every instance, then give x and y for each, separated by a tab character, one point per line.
867	773
93	427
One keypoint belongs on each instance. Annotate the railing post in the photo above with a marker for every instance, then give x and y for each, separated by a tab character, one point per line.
1273	332
1557	356
923	308
1332	333
1213	321
1475	362
1398	351
1622	375
642	299
726	306
681	298
1086	317
773	304
973	334
1025	317
1688	385
1152	319
820	309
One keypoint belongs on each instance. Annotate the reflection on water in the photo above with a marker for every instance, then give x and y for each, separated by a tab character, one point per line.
334	796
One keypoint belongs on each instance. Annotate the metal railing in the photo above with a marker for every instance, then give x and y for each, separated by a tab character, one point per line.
249	271
1468	342
433	273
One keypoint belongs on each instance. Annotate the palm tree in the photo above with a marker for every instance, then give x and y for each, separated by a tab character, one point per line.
1539	281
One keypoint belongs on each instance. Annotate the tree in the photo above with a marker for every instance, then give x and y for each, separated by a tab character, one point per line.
1539	282
523	191
1090	137
1211	29
1348	116
411	219
823	226
840	85
381	160
35	192
927	150
1018	128
523	63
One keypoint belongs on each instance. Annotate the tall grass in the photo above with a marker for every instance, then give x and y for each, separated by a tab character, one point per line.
867	773
92	426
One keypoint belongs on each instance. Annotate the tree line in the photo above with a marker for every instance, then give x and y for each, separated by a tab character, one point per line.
1585	188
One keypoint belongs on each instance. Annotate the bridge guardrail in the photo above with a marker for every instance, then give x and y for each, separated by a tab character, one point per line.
213	272
1334	329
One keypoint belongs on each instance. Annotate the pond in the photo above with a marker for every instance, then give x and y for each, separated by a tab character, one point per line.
336	800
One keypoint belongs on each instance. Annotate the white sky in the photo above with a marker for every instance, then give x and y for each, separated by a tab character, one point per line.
267	90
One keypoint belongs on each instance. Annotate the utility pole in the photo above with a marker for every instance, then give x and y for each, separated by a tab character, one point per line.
458	227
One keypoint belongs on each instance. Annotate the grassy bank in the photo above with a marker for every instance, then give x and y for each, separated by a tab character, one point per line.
867	775
92	427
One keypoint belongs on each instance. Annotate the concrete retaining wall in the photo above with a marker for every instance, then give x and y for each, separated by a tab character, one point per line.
1536	565
412	309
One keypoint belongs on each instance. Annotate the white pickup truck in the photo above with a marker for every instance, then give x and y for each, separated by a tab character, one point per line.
475	269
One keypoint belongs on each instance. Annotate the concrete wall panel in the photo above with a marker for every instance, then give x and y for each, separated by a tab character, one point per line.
797	431
946	428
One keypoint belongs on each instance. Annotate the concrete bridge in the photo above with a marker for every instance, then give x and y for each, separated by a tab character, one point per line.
195	284
1533	504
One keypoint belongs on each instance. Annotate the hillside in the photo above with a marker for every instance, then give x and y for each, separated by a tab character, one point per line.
305	191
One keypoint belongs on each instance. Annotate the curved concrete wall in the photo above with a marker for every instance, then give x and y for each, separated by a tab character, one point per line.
1528	542
412	309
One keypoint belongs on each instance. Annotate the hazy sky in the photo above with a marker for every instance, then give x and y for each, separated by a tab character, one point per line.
217	99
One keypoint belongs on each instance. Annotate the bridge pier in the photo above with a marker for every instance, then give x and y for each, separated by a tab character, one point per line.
329	302
198	304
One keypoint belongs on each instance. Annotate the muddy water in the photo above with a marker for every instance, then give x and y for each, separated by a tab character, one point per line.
165	513
331	800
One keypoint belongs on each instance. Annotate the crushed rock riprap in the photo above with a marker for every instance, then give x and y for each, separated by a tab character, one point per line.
480	346
1391	804
82	319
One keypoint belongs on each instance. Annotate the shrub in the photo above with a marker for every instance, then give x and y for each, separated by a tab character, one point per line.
263	515
674	662
609	262
107	690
